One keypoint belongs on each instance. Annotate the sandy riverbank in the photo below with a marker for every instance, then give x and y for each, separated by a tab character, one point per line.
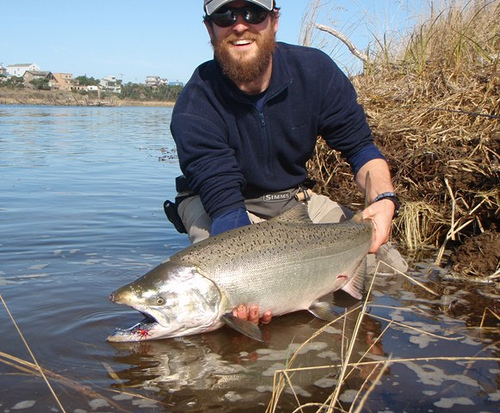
63	98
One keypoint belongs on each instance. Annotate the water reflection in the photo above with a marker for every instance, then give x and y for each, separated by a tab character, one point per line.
230	371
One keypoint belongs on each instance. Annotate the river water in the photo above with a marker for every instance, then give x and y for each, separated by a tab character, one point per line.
81	195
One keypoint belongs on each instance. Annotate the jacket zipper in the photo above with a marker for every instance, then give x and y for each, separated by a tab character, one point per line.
267	142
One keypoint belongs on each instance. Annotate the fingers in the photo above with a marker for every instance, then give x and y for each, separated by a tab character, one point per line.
380	213
241	312
266	317
252	314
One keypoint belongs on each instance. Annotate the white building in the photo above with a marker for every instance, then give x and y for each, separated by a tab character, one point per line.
110	84
21	68
155	81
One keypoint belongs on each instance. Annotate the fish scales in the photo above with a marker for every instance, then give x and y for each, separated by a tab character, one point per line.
306	259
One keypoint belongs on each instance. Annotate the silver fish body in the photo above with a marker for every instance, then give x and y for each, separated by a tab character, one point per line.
284	265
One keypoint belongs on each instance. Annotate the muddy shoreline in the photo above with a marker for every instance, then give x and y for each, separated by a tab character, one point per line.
65	98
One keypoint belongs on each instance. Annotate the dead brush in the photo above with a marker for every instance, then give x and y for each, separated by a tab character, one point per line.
433	105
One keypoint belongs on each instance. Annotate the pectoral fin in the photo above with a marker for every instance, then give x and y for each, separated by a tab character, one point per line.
242	326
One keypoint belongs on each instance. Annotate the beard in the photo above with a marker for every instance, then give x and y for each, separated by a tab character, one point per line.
244	69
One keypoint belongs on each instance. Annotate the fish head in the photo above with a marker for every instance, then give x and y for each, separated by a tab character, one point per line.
177	300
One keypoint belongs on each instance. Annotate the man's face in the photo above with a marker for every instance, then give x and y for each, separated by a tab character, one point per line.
244	50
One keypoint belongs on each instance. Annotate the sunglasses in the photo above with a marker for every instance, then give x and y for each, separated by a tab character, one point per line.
227	16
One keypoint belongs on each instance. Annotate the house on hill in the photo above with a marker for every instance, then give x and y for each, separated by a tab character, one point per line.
153	81
110	84
31	75
21	68
62	81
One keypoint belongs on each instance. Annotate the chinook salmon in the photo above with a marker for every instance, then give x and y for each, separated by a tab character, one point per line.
283	265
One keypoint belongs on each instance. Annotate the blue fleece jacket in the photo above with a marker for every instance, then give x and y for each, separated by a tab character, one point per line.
227	147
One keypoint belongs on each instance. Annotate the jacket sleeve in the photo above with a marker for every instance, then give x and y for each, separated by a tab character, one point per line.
205	158
230	220
343	122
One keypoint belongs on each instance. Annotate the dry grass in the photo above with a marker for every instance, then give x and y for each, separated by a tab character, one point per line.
433	106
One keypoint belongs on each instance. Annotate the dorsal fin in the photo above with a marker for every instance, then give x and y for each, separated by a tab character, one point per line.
368	188
296	215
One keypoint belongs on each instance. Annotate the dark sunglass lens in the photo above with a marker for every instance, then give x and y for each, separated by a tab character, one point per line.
255	16
226	17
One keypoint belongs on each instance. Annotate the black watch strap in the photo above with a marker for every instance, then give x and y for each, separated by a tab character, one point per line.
391	196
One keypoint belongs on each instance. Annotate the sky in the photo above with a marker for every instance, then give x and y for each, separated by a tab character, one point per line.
132	39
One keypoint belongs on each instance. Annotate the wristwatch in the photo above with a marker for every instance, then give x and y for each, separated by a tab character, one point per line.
391	196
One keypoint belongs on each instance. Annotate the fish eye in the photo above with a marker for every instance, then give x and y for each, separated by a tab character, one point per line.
160	300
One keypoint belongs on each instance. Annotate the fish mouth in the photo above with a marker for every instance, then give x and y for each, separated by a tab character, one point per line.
147	329
143	330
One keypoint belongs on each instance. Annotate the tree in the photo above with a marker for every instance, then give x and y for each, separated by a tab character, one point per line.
12	82
40	84
86	81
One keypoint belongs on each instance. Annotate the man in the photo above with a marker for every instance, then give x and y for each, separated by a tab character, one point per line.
246	123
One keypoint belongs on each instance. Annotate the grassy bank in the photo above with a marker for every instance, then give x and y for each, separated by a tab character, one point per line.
433	104
61	98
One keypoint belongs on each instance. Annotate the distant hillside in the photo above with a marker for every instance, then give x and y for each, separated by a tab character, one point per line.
59	98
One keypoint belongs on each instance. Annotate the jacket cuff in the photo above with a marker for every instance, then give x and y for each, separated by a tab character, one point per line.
233	219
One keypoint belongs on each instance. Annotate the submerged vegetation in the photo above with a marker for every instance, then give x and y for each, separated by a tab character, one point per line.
433	104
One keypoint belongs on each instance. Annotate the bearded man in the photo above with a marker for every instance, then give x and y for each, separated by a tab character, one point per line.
247	122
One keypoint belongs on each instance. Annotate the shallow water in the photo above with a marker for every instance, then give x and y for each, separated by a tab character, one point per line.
81	214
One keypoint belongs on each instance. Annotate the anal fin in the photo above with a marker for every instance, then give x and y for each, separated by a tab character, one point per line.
356	286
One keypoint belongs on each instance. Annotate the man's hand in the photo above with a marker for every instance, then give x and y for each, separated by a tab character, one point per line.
252	314
374	178
380	213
